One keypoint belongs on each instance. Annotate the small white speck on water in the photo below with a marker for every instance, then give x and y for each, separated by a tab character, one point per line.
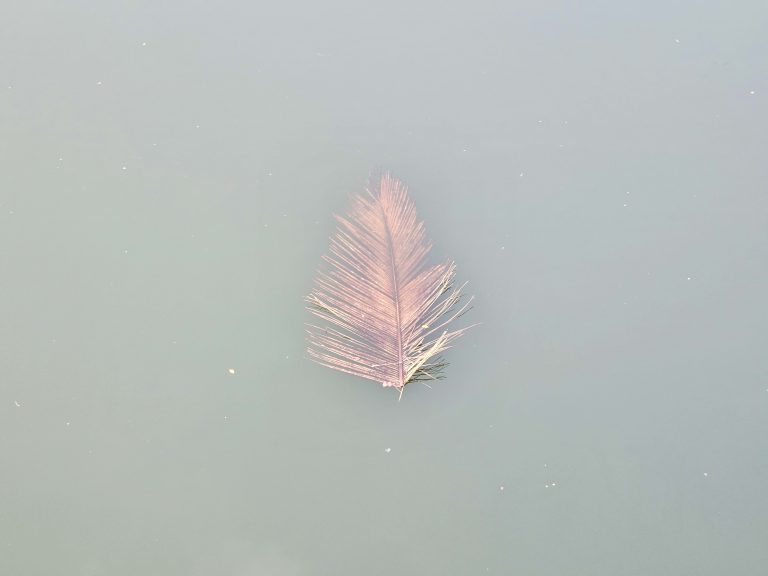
287	356
463	149
98	83
17	403
269	173
197	125
752	92
625	205
545	465
387	450
231	370
143	43
677	40
125	167
501	488
689	277
521	174
706	473
67	423
553	484
546	485
125	251
226	417
540	121
502	247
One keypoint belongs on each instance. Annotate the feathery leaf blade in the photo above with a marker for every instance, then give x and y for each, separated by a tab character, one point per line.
385	310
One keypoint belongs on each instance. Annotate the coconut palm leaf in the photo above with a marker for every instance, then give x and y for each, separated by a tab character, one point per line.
385	310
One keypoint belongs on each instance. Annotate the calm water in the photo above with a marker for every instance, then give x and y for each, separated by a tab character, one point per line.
168	177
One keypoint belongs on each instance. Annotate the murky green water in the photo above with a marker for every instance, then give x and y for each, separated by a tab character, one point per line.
169	175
